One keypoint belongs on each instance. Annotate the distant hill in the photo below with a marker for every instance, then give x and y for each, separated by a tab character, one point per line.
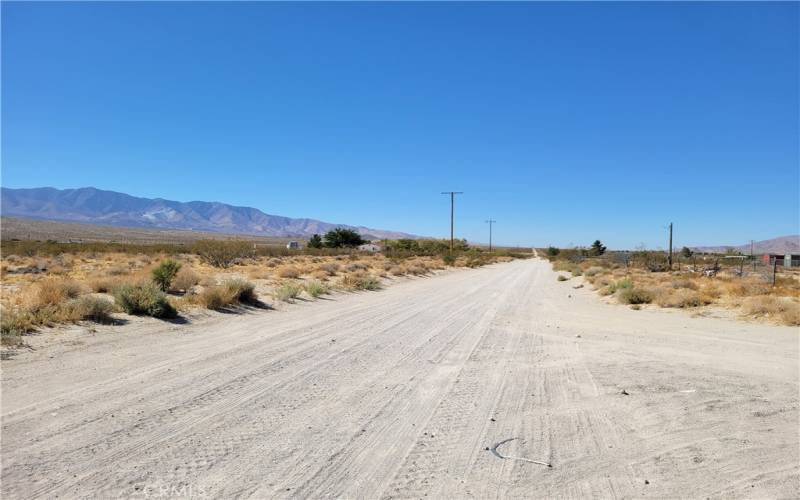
110	208
781	245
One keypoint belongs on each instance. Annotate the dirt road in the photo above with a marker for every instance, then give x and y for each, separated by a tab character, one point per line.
441	387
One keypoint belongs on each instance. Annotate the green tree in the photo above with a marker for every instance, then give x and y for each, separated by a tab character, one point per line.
686	252
165	273
597	248
342	237
553	251
315	241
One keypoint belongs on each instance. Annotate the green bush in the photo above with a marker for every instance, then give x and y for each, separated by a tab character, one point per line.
287	291
449	259
315	241
619	285
597	248
144	299
561	277
165	273
15	324
317	288
342	238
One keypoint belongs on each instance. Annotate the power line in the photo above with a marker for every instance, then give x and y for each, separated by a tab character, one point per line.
490	221
452	212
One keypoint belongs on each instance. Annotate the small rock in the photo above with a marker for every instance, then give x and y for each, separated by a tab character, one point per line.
625	393
646	481
578	336
492	419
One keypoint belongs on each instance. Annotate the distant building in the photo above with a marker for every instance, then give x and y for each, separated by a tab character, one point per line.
293	245
370	247
787	260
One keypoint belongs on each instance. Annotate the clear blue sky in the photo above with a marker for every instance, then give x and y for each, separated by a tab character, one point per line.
566	122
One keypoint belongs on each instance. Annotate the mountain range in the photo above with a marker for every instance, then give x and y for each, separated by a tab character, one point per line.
97	206
782	245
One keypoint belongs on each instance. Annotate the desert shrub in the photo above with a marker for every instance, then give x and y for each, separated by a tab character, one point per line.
593	271
288	272
682	297
241	291
745	288
220	253
93	309
13	325
164	273
619	285
361	281
561	277
600	282
144	299
317	288
185	280
213	297
576	271
356	266
475	258
783	309
330	267
287	291
634	295
229	293
320	275
397	271
562	265
53	292
104	285
449	259
416	269
117	271
684	283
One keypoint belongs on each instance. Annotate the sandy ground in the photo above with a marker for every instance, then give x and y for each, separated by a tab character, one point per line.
449	386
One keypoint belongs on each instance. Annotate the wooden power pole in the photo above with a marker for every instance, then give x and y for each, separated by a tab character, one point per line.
452	213
490	221
670	246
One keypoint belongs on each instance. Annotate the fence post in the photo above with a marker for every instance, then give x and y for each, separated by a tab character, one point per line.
774	269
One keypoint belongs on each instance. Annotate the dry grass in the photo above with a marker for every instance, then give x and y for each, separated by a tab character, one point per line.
751	295
50	288
291	272
784	309
230	293
360	281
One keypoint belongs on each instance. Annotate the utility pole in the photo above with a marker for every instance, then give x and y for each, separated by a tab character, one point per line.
670	246
752	257
490	221
452	212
